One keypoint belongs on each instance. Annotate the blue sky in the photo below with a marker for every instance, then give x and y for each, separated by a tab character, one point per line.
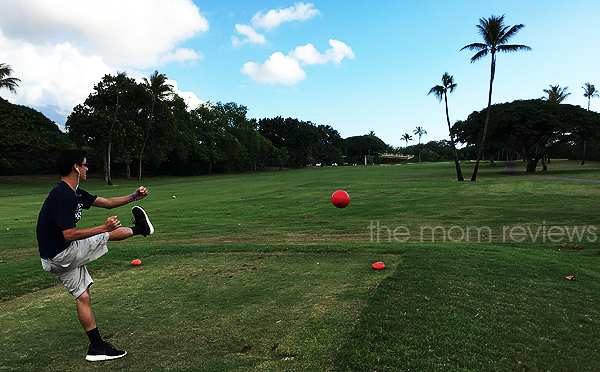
357	66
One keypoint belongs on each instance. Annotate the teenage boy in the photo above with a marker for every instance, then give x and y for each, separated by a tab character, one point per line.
65	250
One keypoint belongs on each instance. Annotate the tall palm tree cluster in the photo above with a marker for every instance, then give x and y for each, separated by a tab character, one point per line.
495	35
441	91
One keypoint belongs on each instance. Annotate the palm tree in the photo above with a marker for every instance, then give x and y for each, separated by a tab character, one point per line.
589	93
118	85
159	89
556	93
419	131
441	91
6	81
371	136
407	137
495	36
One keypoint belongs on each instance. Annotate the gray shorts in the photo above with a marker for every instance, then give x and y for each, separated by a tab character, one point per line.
69	265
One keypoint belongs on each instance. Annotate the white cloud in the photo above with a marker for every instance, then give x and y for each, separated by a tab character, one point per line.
338	51
181	55
286	69
125	32
273	18
251	36
60	49
56	75
190	98
310	56
277	69
280	68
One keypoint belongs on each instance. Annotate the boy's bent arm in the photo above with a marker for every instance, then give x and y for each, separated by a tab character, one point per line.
77	234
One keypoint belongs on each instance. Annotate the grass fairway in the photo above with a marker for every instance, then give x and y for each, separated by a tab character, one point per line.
259	272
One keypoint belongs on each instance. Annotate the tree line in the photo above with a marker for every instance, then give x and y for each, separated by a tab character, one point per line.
146	123
134	129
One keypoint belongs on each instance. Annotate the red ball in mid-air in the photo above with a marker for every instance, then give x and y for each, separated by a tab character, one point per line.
340	199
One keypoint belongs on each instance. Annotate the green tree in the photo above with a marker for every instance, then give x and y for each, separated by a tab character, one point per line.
556	94
328	149
158	89
532	128
118	101
406	137
29	141
495	38
589	93
441	91
6	80
360	147
419	131
299	137
117	83
226	135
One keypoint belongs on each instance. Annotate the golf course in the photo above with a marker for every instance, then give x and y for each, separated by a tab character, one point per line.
259	271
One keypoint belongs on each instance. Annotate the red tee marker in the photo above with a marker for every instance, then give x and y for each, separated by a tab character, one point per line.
378	265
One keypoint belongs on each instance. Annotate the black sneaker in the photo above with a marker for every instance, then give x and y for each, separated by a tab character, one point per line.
141	218
104	352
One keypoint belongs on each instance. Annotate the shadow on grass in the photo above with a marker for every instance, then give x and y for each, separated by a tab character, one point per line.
469	310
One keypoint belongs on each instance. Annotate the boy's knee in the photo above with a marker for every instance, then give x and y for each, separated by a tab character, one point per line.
85	296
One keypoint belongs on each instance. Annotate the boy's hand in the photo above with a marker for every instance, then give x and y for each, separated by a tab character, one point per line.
140	193
112	224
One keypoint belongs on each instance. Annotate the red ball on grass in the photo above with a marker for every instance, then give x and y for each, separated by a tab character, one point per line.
340	199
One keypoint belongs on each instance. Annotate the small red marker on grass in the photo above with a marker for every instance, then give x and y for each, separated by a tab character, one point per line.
378	265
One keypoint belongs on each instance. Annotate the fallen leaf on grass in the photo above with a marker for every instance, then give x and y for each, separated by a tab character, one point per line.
245	349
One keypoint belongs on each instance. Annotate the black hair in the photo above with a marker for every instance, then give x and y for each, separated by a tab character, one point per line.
66	159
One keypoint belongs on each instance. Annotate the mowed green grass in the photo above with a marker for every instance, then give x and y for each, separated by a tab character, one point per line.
258	271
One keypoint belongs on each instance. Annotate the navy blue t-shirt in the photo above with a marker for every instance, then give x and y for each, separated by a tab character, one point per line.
61	211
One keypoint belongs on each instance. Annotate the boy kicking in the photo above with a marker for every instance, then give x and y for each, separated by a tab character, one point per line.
65	250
